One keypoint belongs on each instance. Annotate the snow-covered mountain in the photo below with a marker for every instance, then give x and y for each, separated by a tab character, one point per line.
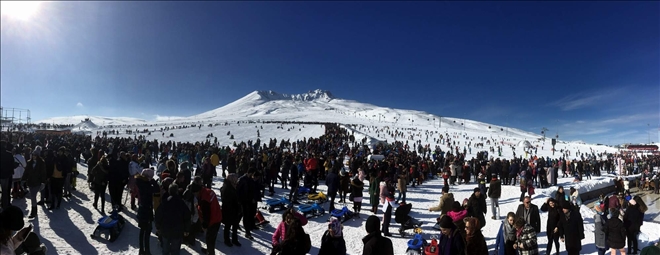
314	106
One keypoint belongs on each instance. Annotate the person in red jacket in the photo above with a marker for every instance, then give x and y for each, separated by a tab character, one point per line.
210	214
311	166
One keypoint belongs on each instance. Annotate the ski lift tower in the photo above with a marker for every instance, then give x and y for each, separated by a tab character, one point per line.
12	119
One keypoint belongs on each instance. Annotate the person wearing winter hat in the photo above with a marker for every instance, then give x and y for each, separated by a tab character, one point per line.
451	241
571	228
146	187
374	242
477	206
35	178
600	223
23	240
494	193
332	242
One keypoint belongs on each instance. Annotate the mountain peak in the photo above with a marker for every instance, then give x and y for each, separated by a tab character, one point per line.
311	95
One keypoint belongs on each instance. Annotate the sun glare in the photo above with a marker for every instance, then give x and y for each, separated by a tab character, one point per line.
22	10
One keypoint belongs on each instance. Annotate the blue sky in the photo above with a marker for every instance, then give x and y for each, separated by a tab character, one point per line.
588	70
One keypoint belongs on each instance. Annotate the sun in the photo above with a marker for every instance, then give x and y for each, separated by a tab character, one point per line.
22	10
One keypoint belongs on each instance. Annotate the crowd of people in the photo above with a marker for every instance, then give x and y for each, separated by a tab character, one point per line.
170	183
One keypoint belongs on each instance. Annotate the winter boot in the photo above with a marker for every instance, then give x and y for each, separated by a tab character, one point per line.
33	212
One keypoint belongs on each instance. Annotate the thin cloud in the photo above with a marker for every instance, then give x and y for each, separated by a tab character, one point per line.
167	118
80	105
584	99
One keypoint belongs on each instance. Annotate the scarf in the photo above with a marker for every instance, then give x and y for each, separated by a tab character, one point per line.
519	232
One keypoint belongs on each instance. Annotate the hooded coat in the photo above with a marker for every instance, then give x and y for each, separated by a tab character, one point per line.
572	230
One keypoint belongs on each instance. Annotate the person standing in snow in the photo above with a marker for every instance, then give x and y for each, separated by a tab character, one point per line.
571	229
332	242
210	214
446	201
374	242
99	180
475	244
356	195
172	218
295	242
35	178
632	221
530	213
600	225
230	214
146	186
477	207
494	193
616	233
526	241
451	242
332	181
552	225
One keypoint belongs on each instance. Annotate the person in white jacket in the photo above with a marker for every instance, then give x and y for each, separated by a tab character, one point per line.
18	191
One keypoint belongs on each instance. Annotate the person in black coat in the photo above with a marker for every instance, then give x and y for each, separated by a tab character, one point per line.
571	229
530	213
231	209
118	178
374	242
294	180
615	232
147	186
172	219
552	225
477	207
357	187
632	221
7	166
249	195
332	181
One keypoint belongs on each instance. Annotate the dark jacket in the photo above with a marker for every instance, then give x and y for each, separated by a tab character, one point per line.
298	246
477	208
118	171
7	165
172	217
572	230
332	245
495	189
534	219
554	215
63	164
146	188
633	219
332	181
99	177
344	182
357	187
477	245
615	232
455	244
376	244
35	172
231	207
247	190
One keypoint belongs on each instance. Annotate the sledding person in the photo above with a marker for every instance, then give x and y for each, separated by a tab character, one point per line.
172	218
24	240
526	242
552	225
529	213
451	242
474	240
446	201
332	242
477	207
571	229
231	209
146	186
295	242
494	193
356	195
374	242
99	180
35	178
